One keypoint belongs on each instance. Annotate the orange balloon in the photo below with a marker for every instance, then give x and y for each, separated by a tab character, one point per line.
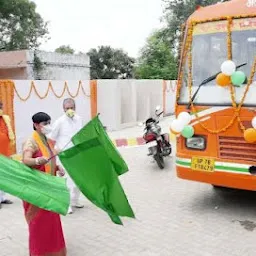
223	80
250	135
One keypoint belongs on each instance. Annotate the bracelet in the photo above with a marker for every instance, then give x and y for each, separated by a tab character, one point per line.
37	161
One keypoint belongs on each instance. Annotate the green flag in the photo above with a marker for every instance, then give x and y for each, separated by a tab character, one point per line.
89	165
35	187
95	129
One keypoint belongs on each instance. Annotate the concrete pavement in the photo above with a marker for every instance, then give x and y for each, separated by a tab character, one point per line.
173	218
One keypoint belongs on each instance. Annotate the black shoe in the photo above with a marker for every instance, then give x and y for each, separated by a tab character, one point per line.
7	201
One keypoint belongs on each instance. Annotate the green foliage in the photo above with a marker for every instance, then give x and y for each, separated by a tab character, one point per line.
21	27
157	60
109	63
38	66
65	49
176	12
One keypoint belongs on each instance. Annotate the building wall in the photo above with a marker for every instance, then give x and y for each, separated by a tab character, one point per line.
13	73
13	59
13	65
56	66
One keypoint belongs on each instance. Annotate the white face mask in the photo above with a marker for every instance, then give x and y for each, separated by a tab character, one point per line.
46	129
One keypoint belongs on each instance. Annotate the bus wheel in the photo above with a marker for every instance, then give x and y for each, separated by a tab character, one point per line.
216	187
222	189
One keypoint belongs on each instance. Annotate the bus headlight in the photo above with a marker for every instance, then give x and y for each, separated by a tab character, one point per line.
196	142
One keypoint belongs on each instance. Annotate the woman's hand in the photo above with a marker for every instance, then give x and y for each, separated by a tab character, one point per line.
41	160
61	171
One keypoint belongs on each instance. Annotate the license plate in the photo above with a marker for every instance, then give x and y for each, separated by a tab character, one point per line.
152	143
202	164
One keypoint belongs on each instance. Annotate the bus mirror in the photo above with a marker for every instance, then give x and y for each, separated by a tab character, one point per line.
158	108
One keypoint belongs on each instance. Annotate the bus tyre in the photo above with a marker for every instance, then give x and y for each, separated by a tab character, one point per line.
216	187
219	188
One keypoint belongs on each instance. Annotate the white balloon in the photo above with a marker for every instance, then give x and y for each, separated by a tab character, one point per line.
228	67
254	122
177	125
185	118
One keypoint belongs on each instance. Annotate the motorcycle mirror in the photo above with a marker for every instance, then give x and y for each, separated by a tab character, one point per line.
158	108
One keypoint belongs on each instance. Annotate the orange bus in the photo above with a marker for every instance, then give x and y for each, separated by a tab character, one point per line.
222	149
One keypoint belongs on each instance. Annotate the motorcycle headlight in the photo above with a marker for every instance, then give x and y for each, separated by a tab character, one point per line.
197	142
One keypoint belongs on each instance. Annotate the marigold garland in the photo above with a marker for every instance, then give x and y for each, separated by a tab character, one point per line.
229	39
6	96
50	88
7	122
188	53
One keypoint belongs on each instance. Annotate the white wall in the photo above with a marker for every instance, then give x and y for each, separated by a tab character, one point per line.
109	102
124	103
170	97
121	103
24	110
149	95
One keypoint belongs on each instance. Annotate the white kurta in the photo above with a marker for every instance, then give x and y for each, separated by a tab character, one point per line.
64	128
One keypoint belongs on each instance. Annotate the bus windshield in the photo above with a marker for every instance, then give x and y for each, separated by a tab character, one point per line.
209	51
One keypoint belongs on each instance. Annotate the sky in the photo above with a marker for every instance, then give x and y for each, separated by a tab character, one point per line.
86	24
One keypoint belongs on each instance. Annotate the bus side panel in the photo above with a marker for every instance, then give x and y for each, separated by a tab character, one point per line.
239	181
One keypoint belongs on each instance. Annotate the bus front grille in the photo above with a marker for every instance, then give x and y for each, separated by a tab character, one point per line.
236	148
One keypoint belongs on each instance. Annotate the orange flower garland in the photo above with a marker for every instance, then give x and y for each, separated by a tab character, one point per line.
188	53
7	96
50	88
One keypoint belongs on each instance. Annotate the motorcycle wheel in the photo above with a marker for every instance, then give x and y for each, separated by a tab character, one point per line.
159	160
168	149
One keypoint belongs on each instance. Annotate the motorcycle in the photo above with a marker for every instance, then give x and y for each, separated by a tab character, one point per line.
159	144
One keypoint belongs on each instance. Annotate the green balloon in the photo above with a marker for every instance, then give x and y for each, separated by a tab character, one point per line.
188	131
238	78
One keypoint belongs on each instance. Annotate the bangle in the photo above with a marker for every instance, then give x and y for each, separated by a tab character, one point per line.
37	161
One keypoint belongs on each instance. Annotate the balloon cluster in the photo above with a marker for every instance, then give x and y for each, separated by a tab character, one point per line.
250	134
229	75
181	125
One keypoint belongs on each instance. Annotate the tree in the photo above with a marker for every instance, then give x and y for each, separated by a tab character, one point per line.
109	63
21	27
65	49
156	60
159	58
176	12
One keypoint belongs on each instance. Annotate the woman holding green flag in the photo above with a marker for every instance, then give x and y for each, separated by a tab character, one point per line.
45	229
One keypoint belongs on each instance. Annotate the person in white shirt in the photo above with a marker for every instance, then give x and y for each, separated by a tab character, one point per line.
63	130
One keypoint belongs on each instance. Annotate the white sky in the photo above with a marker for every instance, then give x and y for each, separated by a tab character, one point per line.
85	24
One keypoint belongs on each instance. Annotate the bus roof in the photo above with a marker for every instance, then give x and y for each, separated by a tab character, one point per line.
219	10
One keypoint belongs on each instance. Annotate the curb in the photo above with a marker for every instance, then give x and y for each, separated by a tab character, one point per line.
129	142
137	141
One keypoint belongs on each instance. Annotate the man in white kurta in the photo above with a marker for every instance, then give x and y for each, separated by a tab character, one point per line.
63	129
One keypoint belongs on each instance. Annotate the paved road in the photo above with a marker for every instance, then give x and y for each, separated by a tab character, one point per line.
174	218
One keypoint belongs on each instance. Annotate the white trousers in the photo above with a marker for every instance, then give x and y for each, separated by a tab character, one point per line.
73	190
2	196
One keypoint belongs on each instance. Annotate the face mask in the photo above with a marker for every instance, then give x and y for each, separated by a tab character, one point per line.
70	113
46	129
1	112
